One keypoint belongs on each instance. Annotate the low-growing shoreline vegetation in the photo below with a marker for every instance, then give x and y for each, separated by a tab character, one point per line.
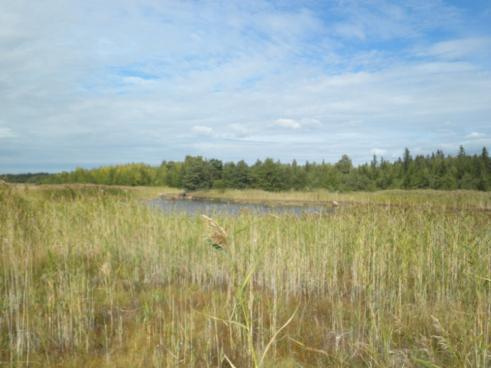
454	200
435	171
91	277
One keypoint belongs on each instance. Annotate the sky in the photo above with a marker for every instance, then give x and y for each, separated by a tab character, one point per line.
90	83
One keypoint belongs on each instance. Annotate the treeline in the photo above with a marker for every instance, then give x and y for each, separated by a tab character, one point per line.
436	171
24	178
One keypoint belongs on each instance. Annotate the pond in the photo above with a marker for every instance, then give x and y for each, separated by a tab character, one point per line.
216	207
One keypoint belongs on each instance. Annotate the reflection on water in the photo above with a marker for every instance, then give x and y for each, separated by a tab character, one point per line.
199	207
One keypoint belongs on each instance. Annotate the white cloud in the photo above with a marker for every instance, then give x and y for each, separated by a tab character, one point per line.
459	48
202	129
6	133
132	80
287	123
75	90
475	135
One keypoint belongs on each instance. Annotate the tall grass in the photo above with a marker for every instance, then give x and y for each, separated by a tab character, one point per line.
461	199
91	278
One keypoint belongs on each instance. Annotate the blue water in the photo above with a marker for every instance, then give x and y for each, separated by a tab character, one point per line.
207	207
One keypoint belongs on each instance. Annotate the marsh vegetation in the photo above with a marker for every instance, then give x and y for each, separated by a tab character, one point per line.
92	277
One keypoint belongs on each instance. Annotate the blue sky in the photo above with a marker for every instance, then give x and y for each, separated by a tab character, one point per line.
87	83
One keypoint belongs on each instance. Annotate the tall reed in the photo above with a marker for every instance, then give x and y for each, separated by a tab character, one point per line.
95	278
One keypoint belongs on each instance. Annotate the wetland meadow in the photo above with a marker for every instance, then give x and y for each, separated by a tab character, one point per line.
94	276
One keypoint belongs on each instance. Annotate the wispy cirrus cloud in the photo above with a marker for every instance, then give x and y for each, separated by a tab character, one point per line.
90	83
460	48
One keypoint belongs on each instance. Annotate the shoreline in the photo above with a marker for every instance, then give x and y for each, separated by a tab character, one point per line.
204	196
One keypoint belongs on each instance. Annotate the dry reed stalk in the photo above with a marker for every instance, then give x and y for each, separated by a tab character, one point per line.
216	234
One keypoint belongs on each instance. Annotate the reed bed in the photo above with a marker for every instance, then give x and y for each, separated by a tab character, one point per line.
97	279
459	199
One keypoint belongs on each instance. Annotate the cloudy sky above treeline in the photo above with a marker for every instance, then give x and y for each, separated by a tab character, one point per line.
89	83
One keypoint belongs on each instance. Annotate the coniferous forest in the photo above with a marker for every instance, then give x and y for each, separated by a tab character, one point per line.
435	171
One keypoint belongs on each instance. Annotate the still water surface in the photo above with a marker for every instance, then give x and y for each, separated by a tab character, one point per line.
207	207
